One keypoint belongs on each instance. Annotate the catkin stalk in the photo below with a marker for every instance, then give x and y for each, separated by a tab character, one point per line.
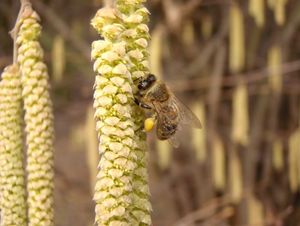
38	119
12	176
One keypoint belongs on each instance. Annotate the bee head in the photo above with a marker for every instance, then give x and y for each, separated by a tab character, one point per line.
147	82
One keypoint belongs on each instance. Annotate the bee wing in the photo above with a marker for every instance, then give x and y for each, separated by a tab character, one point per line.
187	117
174	141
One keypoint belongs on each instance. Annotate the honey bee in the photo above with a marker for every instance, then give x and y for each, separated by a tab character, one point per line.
171	115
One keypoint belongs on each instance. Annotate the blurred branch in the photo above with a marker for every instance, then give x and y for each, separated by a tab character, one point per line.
177	13
215	90
188	8
231	80
292	25
220	217
256	132
209	48
277	221
60	26
206	212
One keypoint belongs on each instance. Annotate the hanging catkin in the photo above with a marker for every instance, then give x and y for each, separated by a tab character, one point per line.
38	119
12	184
121	191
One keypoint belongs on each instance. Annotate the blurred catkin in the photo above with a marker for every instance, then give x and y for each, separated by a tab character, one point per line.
207	26
275	68
255	211
121	191
235	176
12	175
188	33
294	161
38	119
164	154
278	155
236	39
257	10
218	163
278	7
199	135
58	58
240	116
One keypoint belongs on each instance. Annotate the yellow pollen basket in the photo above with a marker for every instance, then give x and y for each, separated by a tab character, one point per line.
149	124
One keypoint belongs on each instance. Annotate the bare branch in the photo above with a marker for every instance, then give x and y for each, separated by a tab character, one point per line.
25	8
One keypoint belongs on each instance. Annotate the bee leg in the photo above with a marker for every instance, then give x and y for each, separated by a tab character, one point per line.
136	101
145	106
141	104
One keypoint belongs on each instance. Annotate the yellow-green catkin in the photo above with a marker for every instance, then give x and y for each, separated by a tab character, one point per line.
12	179
136	36
38	119
121	191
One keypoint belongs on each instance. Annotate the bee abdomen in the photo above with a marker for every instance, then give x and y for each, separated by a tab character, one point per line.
166	131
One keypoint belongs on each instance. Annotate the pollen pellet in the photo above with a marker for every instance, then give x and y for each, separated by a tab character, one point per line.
149	124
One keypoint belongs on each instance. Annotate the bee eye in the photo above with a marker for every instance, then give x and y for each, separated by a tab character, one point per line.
142	85
151	78
147	82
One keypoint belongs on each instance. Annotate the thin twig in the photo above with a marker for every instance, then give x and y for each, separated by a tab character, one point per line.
25	4
215	91
188	8
281	216
205	212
